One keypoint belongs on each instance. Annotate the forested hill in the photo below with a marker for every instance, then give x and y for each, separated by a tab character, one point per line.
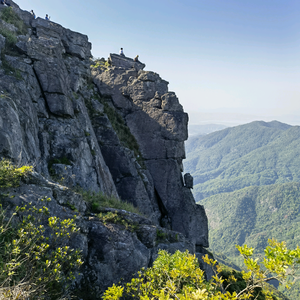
253	215
253	154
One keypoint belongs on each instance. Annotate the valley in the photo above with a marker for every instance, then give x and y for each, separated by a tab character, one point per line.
248	179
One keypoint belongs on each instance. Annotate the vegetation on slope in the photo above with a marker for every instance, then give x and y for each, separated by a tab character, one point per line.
10	175
19	28
178	276
254	154
251	216
99	200
35	261
9	16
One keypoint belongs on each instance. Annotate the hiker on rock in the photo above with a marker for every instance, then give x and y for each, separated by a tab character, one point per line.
136	59
121	52
3	2
47	18
33	14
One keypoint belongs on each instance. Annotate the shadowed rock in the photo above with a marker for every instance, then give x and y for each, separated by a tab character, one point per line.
188	179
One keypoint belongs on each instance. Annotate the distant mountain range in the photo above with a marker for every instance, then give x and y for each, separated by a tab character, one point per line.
253	154
234	117
248	179
204	129
252	216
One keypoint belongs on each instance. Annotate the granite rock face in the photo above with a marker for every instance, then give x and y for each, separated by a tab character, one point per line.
44	119
159	124
107	127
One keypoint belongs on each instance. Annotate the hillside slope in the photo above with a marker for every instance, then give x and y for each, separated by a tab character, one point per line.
254	154
253	215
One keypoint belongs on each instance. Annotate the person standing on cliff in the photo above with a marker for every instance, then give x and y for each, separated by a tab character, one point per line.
136	59
121	52
47	18
5	3
33	14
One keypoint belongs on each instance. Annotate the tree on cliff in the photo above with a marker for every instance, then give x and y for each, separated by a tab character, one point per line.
178	276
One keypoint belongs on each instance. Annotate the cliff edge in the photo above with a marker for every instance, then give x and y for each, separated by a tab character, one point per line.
102	126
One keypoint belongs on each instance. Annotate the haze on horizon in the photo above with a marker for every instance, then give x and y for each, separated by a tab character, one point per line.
220	56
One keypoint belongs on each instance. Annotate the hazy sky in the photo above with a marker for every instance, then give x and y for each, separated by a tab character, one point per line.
223	55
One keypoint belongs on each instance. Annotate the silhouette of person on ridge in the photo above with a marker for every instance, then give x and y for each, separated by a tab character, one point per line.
33	14
121	52
47	18
136	59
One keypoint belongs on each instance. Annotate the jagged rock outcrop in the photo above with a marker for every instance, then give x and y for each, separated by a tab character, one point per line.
44	117
189	181
114	129
157	121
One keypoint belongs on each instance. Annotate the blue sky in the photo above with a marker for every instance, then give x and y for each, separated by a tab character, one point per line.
239	56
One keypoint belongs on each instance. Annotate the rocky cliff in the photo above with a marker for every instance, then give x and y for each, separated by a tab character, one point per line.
103	126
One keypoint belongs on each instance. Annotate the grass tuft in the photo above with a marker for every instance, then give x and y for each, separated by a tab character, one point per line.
100	200
123	132
11	38
115	218
9	16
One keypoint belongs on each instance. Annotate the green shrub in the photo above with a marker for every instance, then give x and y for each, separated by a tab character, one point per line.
176	276
34	266
236	283
71	206
160	235
9	16
98	200
100	63
10	175
11	38
115	218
